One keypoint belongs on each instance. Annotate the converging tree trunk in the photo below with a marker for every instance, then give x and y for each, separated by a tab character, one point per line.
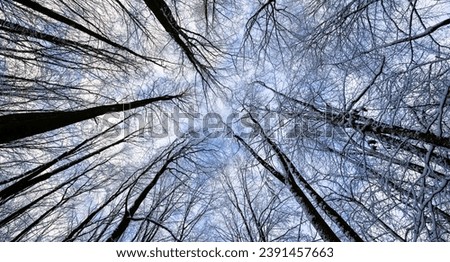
17	126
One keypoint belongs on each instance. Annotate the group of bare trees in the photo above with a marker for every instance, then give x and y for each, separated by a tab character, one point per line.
340	127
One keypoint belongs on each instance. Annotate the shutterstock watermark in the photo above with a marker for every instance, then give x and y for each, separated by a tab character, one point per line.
163	124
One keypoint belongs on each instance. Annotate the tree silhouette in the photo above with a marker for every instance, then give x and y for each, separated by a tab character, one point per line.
322	120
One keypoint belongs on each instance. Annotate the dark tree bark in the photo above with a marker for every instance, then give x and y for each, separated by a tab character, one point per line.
292	171
29	181
310	210
17	126
162	12
52	14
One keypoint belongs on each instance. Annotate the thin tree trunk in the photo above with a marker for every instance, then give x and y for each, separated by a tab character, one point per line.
129	214
27	182
324	230
319	201
52	14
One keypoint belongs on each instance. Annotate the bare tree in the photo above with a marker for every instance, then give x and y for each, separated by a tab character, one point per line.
337	120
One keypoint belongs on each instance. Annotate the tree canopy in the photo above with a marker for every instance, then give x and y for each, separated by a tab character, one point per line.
224	120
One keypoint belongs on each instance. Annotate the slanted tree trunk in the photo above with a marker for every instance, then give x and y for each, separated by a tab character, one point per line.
31	180
292	171
17	126
129	214
162	12
321	226
63	19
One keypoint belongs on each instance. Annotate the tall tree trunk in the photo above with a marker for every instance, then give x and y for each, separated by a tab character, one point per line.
63	19
162	12
129	214
291	170
17	126
27	182
321	226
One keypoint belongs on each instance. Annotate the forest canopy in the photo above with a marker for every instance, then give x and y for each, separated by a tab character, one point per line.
224	120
